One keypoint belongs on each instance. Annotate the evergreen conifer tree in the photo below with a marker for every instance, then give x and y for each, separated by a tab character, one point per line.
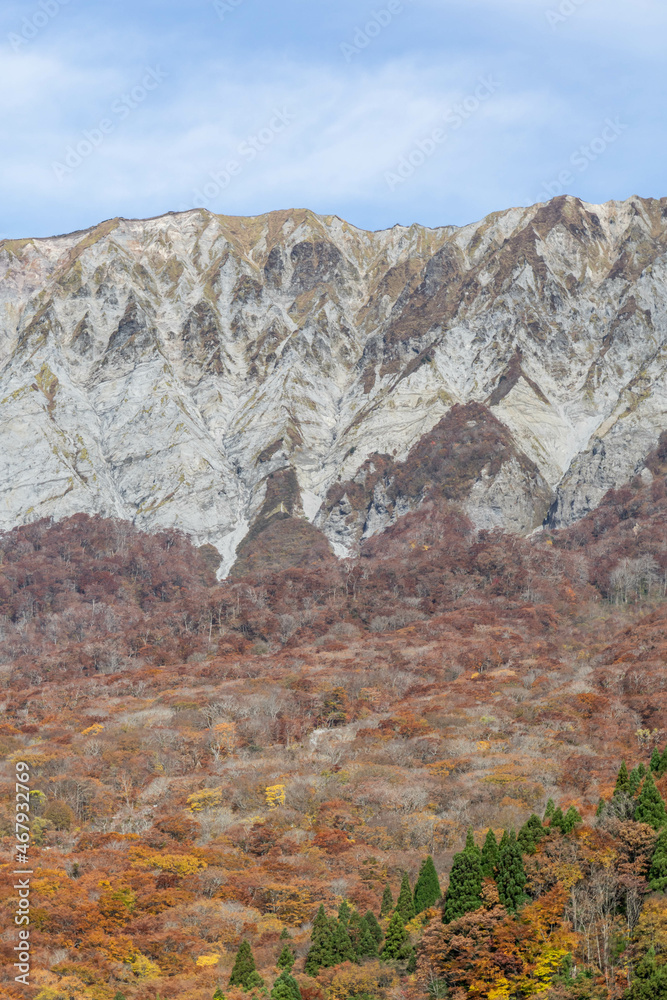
342	946
374	926
322	951
363	942
557	820
570	820
405	904
657	876
634	781
465	885
368	946
650	806
656	757
663	762
550	810
387	904
470	842
427	889
285	935
344	912
286	959
397	944
650	980
531	834
244	973
489	855
285	987
511	877
504	841
600	808
218	995
622	780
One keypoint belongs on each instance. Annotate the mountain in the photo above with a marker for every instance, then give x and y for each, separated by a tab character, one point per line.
292	374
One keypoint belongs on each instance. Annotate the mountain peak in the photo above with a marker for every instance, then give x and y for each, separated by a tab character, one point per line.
148	365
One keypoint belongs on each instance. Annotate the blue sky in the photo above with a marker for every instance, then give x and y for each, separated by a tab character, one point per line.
429	111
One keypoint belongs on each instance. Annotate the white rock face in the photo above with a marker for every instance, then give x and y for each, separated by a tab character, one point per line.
159	370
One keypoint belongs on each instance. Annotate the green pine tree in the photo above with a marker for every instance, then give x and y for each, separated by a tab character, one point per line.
397	944
285	935
511	877
634	781
600	808
657	876
465	885
244	973
656	757
344	911
663	762
530	835
405	904
285	987
489	855
322	951
374	926
550	810
354	930
427	889
218	995
622	780
557	820
570	820
470	842
650	980
650	806
504	841
286	959
363	942
387	904
342	946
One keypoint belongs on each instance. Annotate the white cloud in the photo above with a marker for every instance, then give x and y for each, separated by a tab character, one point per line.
352	122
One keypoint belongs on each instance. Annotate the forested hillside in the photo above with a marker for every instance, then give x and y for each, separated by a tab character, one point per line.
434	770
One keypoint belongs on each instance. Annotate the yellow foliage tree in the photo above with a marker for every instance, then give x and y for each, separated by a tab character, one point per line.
143	968
207	961
353	980
177	864
207	798
224	739
290	903
67	988
275	796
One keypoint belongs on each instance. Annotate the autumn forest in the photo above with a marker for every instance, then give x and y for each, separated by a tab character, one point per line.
436	769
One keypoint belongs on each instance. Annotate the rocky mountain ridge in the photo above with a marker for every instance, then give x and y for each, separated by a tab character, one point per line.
217	373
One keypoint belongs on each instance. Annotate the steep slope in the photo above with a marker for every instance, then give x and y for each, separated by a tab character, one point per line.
468	457
161	370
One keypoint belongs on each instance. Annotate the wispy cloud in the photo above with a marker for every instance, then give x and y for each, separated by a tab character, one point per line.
351	120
